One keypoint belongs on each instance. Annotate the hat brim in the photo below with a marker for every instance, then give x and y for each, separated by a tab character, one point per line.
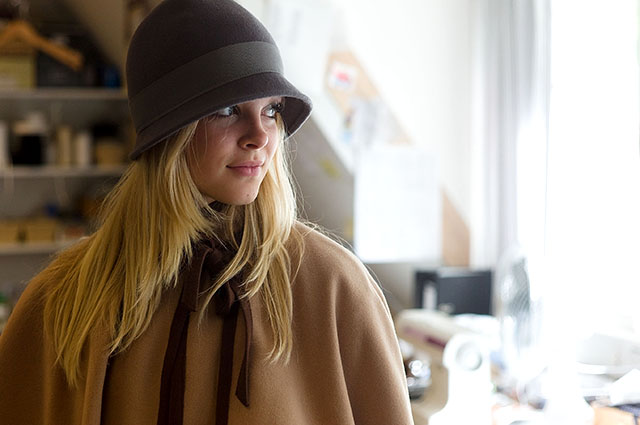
296	111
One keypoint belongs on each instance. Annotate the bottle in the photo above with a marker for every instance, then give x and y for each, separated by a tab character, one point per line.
83	150
4	145
4	310
64	146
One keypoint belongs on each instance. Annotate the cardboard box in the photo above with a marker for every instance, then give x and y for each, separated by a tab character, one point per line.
40	230
110	153
9	231
17	71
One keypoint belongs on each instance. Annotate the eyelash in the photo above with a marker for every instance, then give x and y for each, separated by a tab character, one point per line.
277	108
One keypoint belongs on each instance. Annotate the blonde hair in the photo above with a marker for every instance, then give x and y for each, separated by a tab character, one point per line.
115	277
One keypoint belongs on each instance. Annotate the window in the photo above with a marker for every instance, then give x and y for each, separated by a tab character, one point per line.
593	178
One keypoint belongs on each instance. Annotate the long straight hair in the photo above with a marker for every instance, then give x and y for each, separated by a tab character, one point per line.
114	279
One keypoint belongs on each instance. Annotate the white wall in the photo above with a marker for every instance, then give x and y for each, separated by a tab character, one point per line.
418	54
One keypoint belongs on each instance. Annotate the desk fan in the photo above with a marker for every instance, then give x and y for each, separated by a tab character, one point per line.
520	323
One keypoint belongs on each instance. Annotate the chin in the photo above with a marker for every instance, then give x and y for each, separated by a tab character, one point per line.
232	197
234	200
240	203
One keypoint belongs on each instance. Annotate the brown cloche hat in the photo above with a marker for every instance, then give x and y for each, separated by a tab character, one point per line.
190	58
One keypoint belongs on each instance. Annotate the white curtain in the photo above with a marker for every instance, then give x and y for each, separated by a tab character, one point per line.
510	110
555	161
593	202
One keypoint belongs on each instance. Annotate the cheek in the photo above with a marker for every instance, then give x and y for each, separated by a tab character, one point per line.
273	147
207	150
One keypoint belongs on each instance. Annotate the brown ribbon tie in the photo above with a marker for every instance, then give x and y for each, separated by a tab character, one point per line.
207	261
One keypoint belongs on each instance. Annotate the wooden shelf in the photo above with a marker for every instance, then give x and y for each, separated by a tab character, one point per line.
64	93
48	171
78	107
33	248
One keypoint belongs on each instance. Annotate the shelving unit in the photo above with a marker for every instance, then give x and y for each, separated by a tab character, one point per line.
25	190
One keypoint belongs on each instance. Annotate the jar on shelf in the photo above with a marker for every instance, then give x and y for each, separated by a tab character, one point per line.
30	143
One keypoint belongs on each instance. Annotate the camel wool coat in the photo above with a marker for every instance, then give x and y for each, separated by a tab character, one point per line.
345	367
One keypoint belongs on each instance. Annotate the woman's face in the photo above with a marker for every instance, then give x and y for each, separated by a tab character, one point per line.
232	150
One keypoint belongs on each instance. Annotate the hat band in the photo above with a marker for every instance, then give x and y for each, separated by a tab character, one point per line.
205	73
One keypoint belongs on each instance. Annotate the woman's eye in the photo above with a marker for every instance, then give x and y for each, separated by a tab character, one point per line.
226	112
274	109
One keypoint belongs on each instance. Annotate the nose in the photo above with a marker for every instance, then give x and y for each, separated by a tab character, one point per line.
255	137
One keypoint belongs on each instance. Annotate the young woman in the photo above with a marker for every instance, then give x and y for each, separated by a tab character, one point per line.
201	299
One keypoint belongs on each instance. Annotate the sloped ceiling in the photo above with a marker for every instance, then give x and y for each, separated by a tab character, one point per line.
105	20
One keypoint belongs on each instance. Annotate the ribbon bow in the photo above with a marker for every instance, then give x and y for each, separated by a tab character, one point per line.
207	261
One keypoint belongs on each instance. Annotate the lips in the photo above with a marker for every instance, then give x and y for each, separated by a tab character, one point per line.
247	168
247	164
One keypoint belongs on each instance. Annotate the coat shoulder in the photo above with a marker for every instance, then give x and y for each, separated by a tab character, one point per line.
327	254
327	266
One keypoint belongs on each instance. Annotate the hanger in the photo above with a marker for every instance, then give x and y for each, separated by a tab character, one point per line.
20	30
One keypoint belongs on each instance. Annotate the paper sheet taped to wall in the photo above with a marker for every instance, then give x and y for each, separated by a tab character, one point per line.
397	211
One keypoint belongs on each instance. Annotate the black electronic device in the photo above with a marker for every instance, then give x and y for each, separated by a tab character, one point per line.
454	290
